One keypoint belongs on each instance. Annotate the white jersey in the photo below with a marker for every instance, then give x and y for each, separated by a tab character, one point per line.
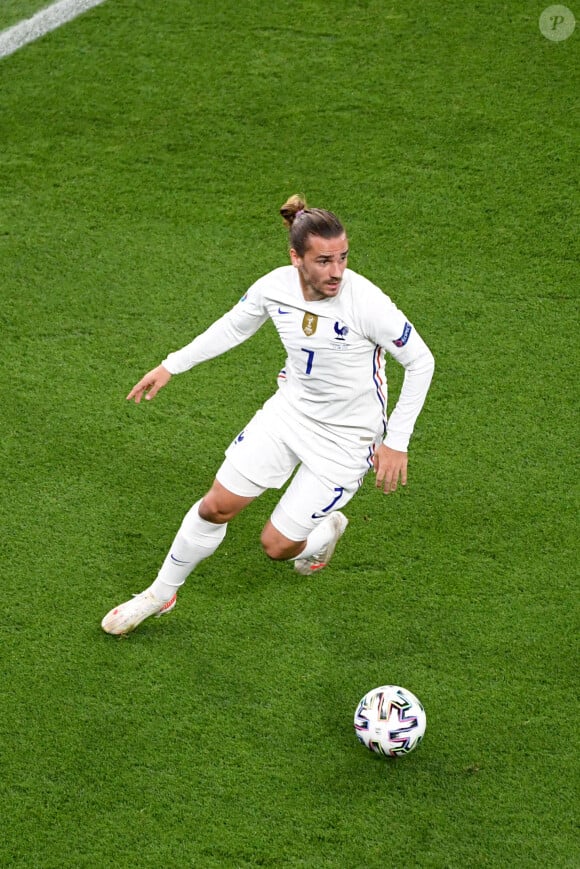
334	373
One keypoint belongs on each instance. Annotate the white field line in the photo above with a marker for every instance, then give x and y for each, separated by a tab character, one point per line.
43	22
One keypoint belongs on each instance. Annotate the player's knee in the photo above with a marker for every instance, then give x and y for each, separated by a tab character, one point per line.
220	505
275	551
212	510
277	547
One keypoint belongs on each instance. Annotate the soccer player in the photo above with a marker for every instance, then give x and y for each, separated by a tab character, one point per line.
327	420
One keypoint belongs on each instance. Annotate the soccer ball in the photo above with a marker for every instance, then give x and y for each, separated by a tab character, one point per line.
390	721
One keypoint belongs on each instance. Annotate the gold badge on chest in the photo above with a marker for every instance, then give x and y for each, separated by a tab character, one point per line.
309	324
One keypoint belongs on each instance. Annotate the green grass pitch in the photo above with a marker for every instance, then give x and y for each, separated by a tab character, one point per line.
145	149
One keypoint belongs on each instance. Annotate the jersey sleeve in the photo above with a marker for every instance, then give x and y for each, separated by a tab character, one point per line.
419	365
388	327
235	327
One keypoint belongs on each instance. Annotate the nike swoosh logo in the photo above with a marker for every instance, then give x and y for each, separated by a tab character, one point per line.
319	515
280	311
179	561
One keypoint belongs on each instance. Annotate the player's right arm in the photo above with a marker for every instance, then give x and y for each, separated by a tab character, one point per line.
232	329
150	385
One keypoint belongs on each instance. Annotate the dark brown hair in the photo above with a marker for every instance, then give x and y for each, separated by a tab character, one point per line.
302	221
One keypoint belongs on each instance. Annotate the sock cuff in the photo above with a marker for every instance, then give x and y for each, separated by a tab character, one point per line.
317	538
200	531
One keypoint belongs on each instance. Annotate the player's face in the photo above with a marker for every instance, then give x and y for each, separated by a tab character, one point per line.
322	266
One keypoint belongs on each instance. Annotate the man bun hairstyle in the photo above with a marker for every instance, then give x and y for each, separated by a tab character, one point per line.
302	222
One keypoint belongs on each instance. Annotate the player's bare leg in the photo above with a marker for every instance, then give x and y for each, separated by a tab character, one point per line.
311	554
220	505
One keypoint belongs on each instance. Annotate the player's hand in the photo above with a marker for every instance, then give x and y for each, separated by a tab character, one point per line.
150	385
390	468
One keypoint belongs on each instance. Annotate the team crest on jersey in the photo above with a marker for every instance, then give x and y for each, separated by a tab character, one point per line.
341	331
400	342
309	324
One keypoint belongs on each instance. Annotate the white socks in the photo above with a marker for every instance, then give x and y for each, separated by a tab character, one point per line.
317	539
196	539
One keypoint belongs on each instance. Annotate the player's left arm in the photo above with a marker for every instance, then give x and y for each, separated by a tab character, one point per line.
390	468
391	456
402	341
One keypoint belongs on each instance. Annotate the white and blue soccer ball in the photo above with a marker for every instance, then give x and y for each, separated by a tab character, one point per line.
390	721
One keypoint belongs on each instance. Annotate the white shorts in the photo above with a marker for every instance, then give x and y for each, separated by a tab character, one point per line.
305	503
274	443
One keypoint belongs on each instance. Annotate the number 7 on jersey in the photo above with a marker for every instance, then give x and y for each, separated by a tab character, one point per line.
310	354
